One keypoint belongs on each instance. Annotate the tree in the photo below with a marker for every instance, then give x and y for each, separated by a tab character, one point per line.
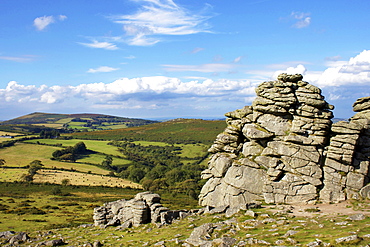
107	162
34	167
65	182
2	162
136	174
68	156
27	178
80	148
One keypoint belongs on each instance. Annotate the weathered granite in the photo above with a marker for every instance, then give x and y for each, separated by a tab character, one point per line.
285	149
144	208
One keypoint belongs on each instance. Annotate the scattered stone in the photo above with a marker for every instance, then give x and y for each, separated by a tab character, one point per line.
315	243
359	216
97	244
290	233
352	238
20	237
6	234
55	242
224	242
251	213
254	241
201	235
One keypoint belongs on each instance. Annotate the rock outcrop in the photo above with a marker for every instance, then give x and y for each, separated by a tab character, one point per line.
285	149
144	208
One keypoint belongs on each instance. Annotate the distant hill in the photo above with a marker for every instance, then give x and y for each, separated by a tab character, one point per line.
70	122
172	131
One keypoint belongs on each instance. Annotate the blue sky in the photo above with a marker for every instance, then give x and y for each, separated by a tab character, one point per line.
176	58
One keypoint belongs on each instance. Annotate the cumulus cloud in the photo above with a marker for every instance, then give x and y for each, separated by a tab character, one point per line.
145	91
100	45
102	69
356	71
160	17
42	22
299	69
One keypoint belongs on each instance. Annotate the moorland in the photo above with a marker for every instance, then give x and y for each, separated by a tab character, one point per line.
57	167
55	171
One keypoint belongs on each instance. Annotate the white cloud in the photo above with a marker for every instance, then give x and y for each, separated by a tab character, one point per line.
299	69
42	22
100	45
356	71
160	17
196	50
145	89
19	59
303	19
102	69
62	17
238	59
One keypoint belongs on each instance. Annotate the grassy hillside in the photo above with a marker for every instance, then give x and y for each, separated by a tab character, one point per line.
35	122
174	131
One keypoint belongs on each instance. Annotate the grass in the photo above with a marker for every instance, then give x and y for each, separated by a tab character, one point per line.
187	150
11	175
3	133
71	210
271	230
97	146
76	178
175	131
22	154
51	125
20	203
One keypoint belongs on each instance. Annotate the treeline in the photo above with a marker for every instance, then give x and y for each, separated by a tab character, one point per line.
49	134
160	167
70	153
29	129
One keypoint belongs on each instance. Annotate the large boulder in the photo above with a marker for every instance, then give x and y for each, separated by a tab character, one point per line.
285	149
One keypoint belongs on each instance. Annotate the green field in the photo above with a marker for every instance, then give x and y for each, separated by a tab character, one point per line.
181	131
97	146
22	154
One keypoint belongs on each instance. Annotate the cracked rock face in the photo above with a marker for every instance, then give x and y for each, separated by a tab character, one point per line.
285	149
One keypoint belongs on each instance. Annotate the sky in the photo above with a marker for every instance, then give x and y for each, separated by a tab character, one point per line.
158	59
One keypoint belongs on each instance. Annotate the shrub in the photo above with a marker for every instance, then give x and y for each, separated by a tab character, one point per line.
56	191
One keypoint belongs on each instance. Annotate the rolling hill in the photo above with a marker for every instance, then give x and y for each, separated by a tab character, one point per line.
180	130
36	121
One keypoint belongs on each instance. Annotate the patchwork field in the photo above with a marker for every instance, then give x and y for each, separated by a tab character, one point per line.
22	154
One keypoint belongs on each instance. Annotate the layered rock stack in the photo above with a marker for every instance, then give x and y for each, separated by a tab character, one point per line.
279	149
346	168
144	208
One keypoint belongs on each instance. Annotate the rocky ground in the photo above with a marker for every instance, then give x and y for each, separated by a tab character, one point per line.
342	224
